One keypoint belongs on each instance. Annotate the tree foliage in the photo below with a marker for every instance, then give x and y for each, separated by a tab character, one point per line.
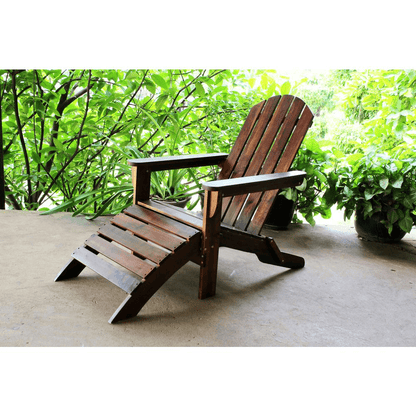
384	101
67	134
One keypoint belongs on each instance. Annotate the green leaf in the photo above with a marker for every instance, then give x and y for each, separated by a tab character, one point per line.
368	194
285	88
392	216
397	183
398	163
160	101
348	192
412	196
199	89
150	86
291	194
35	157
310	219
104	207
75	200
337	153
302	186
264	81
132	75
354	158
312	145
384	182
407	202
406	223
160	81
271	90
368	209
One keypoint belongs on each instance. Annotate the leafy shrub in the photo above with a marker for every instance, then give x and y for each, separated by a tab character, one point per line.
375	181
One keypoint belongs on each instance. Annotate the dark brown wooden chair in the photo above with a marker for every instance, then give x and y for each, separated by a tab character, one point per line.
141	248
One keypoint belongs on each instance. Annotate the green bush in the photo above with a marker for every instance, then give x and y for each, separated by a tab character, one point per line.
377	182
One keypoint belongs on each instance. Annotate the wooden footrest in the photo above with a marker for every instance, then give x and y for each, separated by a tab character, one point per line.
133	245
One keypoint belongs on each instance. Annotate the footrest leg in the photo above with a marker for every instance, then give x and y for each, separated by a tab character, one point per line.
72	269
126	310
132	305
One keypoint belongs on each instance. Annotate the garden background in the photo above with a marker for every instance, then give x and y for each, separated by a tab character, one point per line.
66	135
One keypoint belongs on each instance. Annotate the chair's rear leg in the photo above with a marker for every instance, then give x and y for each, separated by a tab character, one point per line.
72	269
284	259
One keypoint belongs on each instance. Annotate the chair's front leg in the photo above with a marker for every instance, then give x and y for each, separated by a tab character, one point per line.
210	243
141	183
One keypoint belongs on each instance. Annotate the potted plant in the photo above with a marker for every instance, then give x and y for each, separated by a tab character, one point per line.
381	190
310	198
171	187
174	187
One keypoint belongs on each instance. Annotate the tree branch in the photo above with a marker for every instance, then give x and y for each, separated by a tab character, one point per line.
12	199
77	150
2	180
128	103
76	96
22	140
173	103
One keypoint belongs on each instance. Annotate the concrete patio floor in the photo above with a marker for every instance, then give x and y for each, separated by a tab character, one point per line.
351	293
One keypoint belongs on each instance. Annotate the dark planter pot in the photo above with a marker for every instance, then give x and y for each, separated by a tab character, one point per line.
372	229
181	203
281	213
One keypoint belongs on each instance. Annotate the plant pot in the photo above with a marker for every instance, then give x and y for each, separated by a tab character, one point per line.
281	213
181	203
372	229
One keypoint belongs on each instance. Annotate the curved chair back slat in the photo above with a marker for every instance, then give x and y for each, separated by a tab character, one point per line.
267	143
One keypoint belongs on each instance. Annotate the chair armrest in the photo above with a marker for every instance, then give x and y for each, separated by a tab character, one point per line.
259	183
178	162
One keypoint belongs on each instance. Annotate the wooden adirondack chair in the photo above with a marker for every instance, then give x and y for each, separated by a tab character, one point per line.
151	240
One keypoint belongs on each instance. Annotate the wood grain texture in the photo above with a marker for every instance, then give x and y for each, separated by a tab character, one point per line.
120	256
162	221
123	279
257	220
210	244
72	269
133	243
242	214
243	136
134	302
178	162
141	183
246	148
258	183
179	214
147	232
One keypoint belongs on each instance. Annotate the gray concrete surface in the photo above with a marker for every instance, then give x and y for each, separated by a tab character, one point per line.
350	293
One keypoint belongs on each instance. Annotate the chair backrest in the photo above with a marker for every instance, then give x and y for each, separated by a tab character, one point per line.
267	143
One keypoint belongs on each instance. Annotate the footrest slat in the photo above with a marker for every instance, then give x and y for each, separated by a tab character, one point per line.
120	256
161	221
148	232
141	247
124	280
